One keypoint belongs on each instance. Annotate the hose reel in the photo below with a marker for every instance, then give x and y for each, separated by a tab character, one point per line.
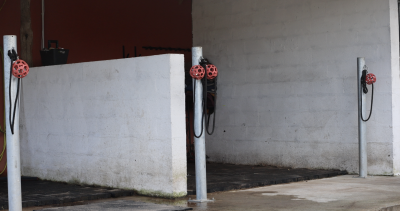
367	79
198	72
19	69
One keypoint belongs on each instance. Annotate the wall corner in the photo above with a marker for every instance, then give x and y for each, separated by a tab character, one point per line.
395	83
178	125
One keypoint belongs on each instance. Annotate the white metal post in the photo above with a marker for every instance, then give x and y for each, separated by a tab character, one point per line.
13	151
199	143
362	141
42	45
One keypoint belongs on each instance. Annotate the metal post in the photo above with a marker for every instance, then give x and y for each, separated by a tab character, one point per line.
199	143
13	151
42	25
362	141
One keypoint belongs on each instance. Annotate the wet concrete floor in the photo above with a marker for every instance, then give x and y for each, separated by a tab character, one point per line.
119	205
220	177
226	177
337	193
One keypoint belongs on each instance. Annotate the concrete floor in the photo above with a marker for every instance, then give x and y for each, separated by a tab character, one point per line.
227	177
338	193
119	205
220	177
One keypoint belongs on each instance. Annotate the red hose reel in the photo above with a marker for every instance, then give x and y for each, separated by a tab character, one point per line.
212	71
20	68
370	78
197	72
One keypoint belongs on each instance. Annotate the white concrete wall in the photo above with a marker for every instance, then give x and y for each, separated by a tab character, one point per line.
117	123
394	35
287	81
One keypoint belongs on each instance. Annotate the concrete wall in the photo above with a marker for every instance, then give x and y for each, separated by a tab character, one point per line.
287	81
394	38
117	123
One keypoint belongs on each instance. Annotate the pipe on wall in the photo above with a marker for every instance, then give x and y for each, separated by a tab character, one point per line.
42	24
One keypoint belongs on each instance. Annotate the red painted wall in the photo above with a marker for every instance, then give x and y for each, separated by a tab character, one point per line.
96	29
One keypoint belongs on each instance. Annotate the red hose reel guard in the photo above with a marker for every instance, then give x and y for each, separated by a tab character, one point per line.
370	78
212	71
197	72
20	68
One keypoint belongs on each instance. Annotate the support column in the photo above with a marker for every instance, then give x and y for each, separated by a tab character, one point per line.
13	148
362	141
199	128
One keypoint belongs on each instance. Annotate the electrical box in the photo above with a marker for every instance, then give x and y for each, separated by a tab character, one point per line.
54	56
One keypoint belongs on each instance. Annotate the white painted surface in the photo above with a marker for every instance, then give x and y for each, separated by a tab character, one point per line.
287	81
394	39
363	117
117	123
199	130
12	136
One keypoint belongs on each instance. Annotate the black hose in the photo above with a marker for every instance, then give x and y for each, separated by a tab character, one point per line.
204	63
215	111
13	57
364	82
372	100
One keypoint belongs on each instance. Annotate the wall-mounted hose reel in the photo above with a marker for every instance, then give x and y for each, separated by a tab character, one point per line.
370	79
19	69
197	72
205	68
212	71
367	79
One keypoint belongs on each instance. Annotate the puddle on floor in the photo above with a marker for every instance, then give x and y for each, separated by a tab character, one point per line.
241	200
234	201
392	208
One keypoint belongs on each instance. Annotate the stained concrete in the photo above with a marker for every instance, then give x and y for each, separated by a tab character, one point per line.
337	193
226	177
121	205
220	177
41	193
